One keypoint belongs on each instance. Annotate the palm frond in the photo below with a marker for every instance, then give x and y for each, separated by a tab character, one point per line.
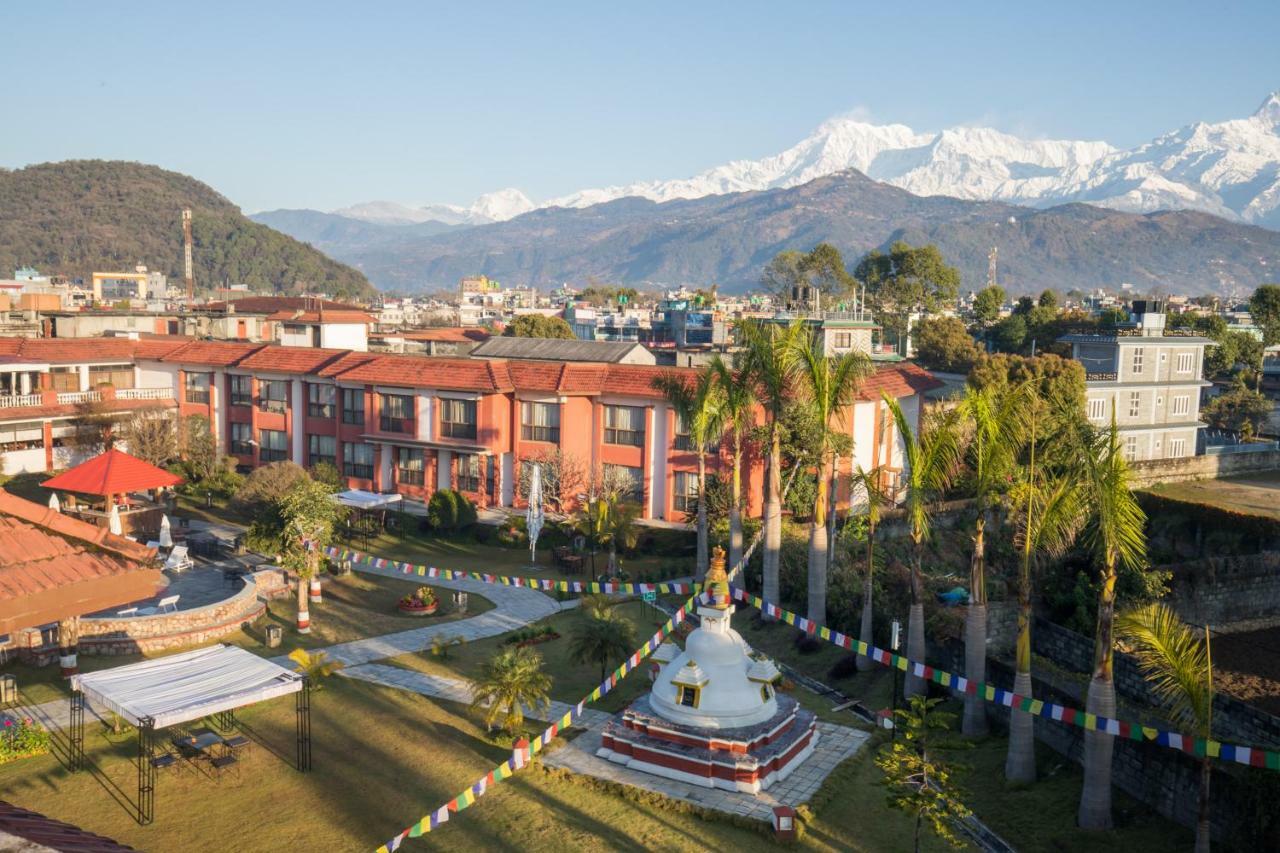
1174	660
1117	528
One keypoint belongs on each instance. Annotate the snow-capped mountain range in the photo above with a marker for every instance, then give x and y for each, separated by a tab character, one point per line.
1231	169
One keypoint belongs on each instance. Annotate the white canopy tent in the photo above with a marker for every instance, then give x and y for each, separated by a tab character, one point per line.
188	686
360	499
181	688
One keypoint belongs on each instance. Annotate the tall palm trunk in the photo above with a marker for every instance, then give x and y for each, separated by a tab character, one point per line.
1202	807
1020	763
914	685
304	617
772	517
1095	798
702	516
735	506
864	630
818	549
974	723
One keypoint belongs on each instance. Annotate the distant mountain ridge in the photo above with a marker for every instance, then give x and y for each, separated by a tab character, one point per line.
78	216
728	238
1230	169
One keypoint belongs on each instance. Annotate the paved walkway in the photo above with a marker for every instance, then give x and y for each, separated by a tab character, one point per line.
835	744
452	689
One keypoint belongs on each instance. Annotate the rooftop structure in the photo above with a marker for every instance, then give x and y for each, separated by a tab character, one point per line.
555	349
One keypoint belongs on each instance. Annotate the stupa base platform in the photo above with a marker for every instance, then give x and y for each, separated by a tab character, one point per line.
748	759
833	745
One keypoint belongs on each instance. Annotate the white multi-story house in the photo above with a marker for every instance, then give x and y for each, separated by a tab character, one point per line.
1149	378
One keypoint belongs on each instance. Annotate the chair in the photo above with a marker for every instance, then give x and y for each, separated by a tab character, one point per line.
165	761
178	559
223	763
171	602
237	745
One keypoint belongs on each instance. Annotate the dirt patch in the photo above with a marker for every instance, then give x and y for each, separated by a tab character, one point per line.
1246	665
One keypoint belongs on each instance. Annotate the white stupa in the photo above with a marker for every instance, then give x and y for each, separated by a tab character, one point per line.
713	717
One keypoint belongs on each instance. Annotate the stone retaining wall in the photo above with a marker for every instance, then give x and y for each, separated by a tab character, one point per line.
1220	590
1205	467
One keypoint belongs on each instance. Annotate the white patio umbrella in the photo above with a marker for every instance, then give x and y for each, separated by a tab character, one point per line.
54	503
166	536
113	521
534	516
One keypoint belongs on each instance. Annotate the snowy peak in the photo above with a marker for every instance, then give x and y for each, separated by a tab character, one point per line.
1230	169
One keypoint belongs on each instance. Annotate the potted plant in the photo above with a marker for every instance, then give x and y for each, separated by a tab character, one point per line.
420	602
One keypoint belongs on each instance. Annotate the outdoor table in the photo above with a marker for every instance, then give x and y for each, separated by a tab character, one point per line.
199	744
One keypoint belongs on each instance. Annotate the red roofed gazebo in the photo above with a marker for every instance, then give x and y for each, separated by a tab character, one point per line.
113	476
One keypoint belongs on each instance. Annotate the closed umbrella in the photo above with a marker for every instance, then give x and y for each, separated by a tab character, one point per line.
54	503
533	518
113	521
166	536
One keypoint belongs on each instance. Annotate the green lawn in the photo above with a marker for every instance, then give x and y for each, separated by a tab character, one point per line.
383	758
570	681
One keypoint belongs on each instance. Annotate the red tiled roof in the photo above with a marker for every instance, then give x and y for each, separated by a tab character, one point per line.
636	380
112	473
898	380
69	350
345	362
47	833
326	316
212	353
464	374
290	359
159	346
64	525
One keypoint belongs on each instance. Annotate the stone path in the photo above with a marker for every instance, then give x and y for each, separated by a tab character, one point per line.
452	689
835	744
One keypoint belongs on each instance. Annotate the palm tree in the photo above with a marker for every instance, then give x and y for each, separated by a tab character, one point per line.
601	641
828	385
316	666
738	407
768	358
1046	514
308	515
872	486
1116	537
509	681
1177	666
591	522
699	407
931	456
620	530
996	419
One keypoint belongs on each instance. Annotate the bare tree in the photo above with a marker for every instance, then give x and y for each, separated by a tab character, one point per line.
151	435
563	478
93	428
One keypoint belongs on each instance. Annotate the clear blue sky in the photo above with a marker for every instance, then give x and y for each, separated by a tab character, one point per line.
323	104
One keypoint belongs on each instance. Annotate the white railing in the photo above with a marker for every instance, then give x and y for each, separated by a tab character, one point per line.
16	400
76	397
144	394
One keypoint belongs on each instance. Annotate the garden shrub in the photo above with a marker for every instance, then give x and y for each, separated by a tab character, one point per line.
22	738
846	667
449	511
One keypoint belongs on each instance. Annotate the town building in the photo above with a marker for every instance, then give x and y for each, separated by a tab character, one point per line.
1148	379
554	349
407	424
113	286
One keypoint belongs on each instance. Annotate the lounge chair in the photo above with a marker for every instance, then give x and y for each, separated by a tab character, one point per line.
171	602
178	559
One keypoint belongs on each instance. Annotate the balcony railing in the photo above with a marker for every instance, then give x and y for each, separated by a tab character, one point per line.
76	398
144	394
1102	376
16	400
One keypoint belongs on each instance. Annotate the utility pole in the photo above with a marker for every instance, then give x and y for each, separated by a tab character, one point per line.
992	257
186	239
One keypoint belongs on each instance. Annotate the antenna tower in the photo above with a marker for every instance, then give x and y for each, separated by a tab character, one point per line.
992	257
186	240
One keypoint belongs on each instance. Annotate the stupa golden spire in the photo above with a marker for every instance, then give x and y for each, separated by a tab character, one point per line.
716	585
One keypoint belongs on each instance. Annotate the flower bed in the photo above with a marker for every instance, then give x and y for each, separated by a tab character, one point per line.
22	738
421	602
531	636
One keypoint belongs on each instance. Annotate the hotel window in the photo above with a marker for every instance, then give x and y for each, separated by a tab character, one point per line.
458	418
322	448
468	472
627	481
357	460
1177	447
273	395
687	696
197	388
1137	360
64	379
115	375
1131	447
685	492
842	340
1181	405
22	436
1135	403
540	422
410	466
273	445
1097	409
353	406
395	413
321	400
241	435
1186	361
241	391
624	425
683	441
